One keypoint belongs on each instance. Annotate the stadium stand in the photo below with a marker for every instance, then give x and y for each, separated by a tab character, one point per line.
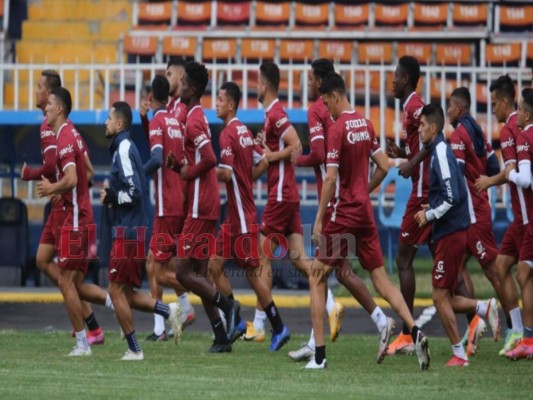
348	16
272	16
311	16
430	16
13	235
194	15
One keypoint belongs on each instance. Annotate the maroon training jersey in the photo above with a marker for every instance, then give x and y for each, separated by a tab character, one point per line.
203	195
166	133
281	180
351	142
524	151
177	109
239	154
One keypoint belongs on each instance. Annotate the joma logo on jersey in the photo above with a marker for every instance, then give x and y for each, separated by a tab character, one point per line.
281	122
156	132
241	130
354	137
508	143
246	141
171	121
226	152
355	123
458	146
68	149
47	133
316	128
522	147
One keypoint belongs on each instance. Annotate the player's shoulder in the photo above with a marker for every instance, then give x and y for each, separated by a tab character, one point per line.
415	105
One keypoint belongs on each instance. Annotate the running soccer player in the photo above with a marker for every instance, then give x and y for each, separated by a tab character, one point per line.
503	95
351	143
319	121
523	178
127	195
203	209
448	214
49	80
154	270
241	161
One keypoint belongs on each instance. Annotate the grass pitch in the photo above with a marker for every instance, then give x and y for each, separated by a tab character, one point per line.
34	365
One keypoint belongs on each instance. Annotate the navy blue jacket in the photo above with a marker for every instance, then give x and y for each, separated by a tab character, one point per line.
128	189
448	207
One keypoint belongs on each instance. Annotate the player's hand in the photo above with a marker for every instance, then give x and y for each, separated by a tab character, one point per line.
171	162
295	154
44	188
420	218
183	171
392	149
144	107
482	183
317	234
23	171
260	139
406	169
508	169
103	194
55	198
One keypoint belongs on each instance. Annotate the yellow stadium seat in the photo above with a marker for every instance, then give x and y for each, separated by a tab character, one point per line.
56	30
113	30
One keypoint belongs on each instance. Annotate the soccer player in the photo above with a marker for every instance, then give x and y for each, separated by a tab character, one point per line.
241	162
523	178
49	80
127	196
502	92
475	157
203	209
73	241
412	236
165	137
155	271
448	212
351	143
319	121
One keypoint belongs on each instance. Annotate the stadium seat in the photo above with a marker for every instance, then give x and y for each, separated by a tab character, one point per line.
391	15
432	16
195	15
339	51
154	13
529	53
436	88
299	51
14	242
374	53
219	50
258	49
504	54
375	112
232	15
514	18
351	17
454	54
114	30
392	221
313	16
180	46
272	15
471	15
421	51
140	45
57	30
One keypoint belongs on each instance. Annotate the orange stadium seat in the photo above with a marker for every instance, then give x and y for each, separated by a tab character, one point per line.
272	15
470	15
219	49
140	45
503	54
1	8
436	89
258	49
155	13
515	18
391	15
421	51
296	50
194	14
376	121
339	51
233	14
529	52
180	46
113	30
430	15
454	54
354	16
311	15
374	53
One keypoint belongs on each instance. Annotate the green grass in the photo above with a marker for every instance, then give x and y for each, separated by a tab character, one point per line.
34	365
423	268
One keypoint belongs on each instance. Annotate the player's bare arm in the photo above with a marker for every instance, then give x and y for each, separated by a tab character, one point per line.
328	188
382	168
406	169
69	181
292	143
259	168
484	182
393	151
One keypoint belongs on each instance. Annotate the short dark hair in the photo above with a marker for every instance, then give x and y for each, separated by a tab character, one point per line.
412	67
233	92
197	76
321	68
176	62
463	94
160	88
52	78
434	114
63	95
123	112
504	87
333	82
270	72
527	95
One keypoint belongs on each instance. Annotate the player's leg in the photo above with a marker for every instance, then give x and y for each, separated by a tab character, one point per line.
44	261
525	278
156	291
216	272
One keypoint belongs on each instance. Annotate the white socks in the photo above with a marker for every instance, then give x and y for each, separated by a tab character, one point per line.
259	320
481	309
159	324
516	320
459	351
185	304
81	340
379	318
109	303
330	302
311	343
